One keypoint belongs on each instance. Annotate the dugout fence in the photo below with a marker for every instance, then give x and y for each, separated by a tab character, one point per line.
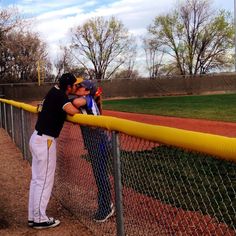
165	181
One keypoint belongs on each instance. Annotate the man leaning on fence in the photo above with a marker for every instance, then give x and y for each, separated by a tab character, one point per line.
51	117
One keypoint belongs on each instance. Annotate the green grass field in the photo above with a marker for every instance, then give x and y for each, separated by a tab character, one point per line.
212	107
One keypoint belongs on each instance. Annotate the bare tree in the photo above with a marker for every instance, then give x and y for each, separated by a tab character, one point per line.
154	57
21	56
128	67
9	20
195	38
63	62
126	74
20	49
101	46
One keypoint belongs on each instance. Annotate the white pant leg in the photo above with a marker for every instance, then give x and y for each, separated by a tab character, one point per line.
43	170
32	183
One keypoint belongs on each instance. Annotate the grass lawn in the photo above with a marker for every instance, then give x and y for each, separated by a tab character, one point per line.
212	107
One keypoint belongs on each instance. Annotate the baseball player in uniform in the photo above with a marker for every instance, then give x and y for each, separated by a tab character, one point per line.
55	107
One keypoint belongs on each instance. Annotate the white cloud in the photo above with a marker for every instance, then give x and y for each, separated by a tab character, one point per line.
36	7
136	15
55	18
65	12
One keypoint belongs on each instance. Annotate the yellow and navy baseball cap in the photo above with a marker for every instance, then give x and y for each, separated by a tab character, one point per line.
79	80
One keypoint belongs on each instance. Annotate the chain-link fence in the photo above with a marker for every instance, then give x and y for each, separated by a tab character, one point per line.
157	189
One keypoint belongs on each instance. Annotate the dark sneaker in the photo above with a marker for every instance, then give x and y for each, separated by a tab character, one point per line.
30	223
102	216
47	224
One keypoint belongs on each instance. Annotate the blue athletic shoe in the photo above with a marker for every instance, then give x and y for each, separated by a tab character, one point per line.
101	216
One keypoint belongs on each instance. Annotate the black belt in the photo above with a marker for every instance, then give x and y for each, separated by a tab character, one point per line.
39	133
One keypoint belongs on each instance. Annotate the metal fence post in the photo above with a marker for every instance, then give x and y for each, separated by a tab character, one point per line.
12	125
1	116
23	132
118	184
5	116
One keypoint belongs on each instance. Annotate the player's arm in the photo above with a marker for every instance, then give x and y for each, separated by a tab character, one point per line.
70	109
79	102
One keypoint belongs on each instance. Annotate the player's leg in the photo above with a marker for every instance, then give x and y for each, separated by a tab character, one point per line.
43	168
101	174
32	182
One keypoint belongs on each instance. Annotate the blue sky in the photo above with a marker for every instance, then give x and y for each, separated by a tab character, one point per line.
53	18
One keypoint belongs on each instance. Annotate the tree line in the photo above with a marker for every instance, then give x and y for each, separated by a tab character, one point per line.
191	39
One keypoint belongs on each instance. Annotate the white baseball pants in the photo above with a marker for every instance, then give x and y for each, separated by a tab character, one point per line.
43	150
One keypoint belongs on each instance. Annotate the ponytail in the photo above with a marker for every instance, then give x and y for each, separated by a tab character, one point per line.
98	99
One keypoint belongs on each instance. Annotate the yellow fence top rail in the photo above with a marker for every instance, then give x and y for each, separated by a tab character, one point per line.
216	145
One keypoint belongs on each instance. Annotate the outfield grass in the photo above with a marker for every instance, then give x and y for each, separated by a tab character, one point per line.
212	107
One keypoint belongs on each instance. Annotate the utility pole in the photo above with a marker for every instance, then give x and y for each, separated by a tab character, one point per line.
41	72
38	69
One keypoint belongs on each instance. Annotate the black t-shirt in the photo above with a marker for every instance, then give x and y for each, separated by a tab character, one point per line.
51	118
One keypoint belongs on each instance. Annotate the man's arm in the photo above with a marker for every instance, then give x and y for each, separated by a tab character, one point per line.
70	109
79	102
